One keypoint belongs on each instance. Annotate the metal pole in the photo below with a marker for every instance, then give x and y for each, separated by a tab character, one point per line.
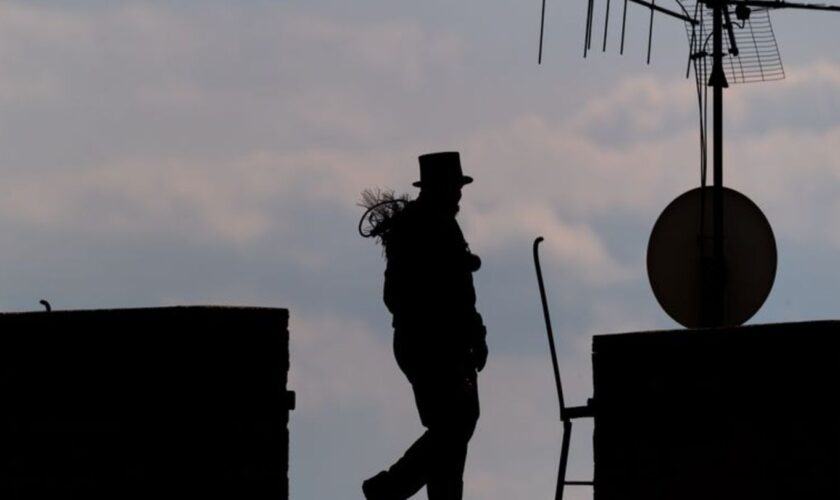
718	82
564	460
548	329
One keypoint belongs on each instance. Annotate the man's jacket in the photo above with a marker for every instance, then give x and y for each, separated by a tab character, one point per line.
428	278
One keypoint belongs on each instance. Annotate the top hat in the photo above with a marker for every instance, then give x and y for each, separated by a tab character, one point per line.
441	169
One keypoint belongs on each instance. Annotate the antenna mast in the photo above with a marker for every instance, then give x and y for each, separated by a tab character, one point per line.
713	295
713	302
714	283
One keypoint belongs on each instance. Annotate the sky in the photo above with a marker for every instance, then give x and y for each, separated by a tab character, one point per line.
213	152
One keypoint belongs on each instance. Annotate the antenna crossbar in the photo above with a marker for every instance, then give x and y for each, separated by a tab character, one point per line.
668	12
774	4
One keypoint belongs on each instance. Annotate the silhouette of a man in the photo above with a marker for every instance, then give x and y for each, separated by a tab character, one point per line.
439	337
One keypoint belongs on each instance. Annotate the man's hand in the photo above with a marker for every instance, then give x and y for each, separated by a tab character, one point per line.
478	335
479	354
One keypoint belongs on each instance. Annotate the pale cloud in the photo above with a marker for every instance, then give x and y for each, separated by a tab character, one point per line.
54	49
532	158
135	198
40	31
576	248
231	201
791	168
791	172
517	162
48	26
330	109
638	103
400	46
805	99
818	72
340	364
795	178
135	74
271	67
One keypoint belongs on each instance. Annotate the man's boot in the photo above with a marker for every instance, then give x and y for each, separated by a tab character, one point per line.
450	489
378	487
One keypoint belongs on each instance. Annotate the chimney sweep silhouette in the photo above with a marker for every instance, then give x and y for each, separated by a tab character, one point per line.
439	337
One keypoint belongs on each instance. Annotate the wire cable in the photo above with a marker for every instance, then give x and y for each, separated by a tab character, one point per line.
542	27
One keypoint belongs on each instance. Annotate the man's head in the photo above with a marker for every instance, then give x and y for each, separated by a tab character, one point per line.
441	180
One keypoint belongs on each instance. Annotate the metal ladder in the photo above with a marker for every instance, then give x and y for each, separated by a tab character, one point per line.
567	414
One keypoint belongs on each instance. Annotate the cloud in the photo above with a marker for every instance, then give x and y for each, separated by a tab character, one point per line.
822	71
639	104
400	47
805	100
535	175
577	248
135	78
340	363
793	176
578	175
230	200
134	197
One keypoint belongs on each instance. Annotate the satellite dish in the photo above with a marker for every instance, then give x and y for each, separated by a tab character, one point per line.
681	248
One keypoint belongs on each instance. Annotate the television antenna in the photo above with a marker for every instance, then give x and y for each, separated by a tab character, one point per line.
743	50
